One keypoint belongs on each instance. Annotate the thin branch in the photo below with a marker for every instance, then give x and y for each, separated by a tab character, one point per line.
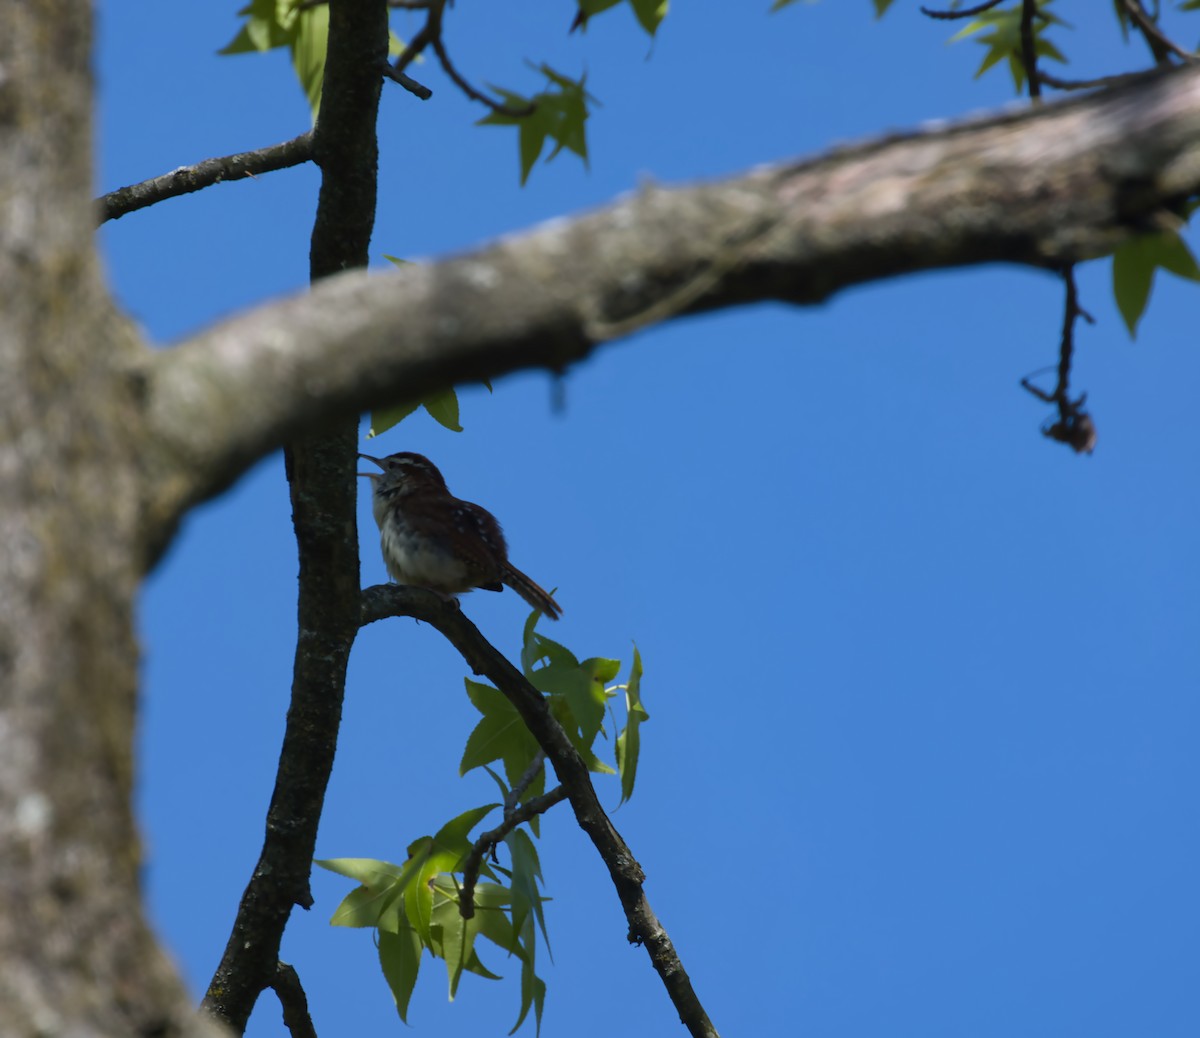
520	112
524	782
1075	426
488	842
430	35
1058	83
296	1018
483	658
968	12
204	174
405	80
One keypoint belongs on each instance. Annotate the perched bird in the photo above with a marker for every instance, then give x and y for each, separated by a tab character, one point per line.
433	540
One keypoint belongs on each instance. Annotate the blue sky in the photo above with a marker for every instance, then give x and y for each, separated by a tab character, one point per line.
923	686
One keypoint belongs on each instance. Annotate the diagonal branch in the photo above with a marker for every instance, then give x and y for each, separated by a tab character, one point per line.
1161	46
186	179
1046	187
482	657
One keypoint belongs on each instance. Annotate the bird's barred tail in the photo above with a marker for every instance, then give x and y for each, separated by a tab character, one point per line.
531	592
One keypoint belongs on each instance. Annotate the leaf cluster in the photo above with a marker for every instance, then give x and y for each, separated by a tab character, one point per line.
416	907
559	113
999	31
1134	265
302	29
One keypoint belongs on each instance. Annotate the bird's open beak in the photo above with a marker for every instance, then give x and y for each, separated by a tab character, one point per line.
370	475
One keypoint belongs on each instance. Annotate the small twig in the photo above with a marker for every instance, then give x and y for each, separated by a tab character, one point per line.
489	841
286	984
407	81
1074	426
430	35
968	12
499	107
524	782
204	174
1057	83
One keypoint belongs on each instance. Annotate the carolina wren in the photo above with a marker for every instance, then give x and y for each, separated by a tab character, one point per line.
431	539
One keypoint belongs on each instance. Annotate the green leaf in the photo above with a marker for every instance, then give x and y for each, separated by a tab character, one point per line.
443	409
364	907
451	842
591	7
650	13
490	901
593	762
629	741
268	25
499	782
531	138
457	939
999	30
400	959
455	936
1133	276
1122	13
308	53
558	113
537	648
500	734
384	418
371	904
881	7
367	871
1174	256
526	872
418	894
1133	267
581	686
284	23
533	992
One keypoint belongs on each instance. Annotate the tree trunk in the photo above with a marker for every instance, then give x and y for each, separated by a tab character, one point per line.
76	955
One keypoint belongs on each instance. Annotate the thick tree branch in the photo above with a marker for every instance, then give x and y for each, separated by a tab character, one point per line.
204	174
1062	183
482	657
